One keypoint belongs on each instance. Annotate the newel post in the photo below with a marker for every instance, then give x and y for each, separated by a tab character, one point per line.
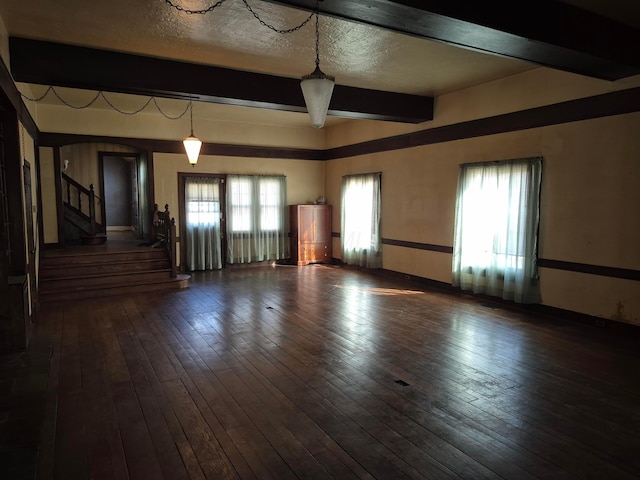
92	209
172	247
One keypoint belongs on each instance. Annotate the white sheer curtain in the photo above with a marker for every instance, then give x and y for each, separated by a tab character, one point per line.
202	200
256	218
496	229
360	236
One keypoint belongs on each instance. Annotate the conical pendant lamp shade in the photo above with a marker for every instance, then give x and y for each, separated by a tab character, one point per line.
192	143
192	146
317	89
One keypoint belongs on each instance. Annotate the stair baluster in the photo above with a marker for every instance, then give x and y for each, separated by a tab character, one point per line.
74	214
165	228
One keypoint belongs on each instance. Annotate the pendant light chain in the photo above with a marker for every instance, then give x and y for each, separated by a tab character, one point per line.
195	12
275	29
102	95
250	9
191	115
317	36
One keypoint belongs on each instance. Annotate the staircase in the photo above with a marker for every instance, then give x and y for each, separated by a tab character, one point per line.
79	207
104	270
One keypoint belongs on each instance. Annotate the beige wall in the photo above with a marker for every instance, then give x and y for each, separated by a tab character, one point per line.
48	191
534	88
305	179
4	43
152	125
589	205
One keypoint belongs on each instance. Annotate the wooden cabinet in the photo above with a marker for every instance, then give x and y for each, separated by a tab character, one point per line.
310	234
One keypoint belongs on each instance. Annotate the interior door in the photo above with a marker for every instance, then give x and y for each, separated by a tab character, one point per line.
117	192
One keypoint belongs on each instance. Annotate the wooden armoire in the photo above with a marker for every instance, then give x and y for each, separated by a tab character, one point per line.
310	234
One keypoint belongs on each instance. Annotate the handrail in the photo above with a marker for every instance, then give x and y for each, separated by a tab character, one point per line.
79	186
81	191
165	233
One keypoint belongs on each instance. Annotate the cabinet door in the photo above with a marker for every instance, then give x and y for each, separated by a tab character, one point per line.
306	224
322	219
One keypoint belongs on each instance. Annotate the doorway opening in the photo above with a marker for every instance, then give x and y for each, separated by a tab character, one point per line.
120	187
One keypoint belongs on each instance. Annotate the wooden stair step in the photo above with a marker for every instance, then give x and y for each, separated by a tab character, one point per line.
93	281
65	260
102	268
84	272
58	295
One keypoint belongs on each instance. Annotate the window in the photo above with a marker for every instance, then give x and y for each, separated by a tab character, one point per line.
202	199
360	236
256	209
240	201
270	205
496	229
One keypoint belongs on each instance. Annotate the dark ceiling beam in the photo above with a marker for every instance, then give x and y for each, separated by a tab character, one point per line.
47	63
544	32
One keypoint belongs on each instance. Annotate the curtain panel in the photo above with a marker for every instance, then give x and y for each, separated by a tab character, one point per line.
360	230
496	229
202	200
256	218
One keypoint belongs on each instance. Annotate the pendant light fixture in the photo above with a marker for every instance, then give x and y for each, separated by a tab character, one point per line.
317	87
192	143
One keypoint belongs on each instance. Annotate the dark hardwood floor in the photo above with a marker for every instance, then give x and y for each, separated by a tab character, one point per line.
324	372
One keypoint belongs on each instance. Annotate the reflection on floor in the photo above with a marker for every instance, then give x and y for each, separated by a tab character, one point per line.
325	372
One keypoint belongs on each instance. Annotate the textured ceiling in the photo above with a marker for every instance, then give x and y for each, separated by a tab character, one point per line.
357	55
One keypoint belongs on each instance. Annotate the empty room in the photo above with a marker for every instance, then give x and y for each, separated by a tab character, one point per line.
374	239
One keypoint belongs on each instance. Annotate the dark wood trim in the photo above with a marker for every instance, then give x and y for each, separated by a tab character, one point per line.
146	157
628	330
51	246
608	104
14	185
613	272
417	245
426	282
50	139
58	184
548	33
49	63
39	217
14	98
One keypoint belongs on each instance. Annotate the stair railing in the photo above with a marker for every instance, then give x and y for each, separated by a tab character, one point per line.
165	234
75	193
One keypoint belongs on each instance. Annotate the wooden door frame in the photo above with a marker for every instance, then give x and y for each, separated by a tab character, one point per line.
30	235
103	202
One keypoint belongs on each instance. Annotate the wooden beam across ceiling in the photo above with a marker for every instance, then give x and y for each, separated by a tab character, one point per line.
545	32
48	63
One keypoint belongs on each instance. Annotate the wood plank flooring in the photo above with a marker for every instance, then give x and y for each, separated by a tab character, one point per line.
323	372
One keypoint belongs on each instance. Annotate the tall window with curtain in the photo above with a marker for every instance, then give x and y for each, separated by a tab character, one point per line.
202	201
256	218
496	229
360	237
